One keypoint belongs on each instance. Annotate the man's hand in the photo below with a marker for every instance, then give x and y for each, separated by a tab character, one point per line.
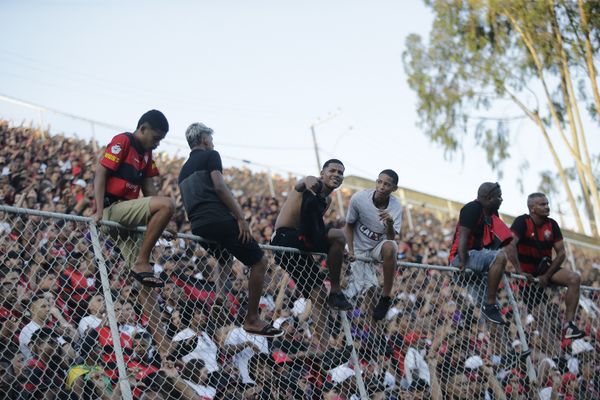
98	215
312	183
170	233
350	256
543	280
245	233
168	367
529	277
386	218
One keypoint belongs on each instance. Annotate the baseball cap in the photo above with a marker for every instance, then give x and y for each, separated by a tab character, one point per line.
155	119
81	183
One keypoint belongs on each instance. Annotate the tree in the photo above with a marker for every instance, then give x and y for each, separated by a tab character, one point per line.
536	54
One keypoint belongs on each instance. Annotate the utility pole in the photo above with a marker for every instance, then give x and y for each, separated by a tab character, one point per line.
320	121
314	138
331	116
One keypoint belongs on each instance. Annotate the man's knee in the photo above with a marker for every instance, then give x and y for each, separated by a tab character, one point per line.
573	280
336	236
388	251
161	203
501	259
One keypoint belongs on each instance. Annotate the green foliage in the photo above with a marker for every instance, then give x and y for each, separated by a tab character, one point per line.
477	57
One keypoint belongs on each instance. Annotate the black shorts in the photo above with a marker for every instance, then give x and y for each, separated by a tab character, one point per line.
226	235
303	268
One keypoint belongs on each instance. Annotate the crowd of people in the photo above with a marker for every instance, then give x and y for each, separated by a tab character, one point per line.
55	340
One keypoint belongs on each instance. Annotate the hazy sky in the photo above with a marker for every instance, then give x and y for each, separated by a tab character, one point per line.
258	72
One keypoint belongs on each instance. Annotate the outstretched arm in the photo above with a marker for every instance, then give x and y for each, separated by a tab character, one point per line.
308	182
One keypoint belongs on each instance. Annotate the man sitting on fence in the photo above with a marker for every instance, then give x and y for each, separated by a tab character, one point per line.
215	215
374	219
126	167
478	241
300	225
537	235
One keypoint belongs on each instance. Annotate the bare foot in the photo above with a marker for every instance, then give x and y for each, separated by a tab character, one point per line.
142	267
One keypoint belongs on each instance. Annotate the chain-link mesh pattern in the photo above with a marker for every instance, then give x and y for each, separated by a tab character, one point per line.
185	341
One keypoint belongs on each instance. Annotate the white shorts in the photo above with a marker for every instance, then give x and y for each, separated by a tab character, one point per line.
363	275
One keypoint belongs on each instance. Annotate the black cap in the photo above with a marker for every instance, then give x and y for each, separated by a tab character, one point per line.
156	119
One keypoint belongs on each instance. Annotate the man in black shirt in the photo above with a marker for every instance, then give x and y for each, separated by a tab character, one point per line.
215	215
475	248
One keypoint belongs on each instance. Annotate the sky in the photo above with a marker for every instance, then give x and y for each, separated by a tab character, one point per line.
260	73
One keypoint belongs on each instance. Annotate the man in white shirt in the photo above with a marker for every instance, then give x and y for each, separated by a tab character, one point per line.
40	312
205	350
95	315
243	346
374	219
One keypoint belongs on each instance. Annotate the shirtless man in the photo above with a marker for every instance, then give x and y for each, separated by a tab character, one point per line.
300	225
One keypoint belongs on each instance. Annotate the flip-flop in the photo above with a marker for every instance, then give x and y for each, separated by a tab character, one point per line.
148	279
266	331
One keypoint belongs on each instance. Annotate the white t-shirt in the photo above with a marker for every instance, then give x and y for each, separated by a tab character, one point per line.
369	230
131	330
239	336
25	338
206	350
414	361
89	322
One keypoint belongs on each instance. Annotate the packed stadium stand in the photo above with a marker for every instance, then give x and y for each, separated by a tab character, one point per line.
56	340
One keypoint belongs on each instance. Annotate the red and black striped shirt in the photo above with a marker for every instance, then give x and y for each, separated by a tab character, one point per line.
472	217
129	164
535	242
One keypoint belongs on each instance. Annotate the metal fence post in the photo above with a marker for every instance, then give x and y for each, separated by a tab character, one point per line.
354	357
110	313
517	315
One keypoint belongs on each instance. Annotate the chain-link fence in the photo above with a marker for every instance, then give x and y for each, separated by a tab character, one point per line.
76	326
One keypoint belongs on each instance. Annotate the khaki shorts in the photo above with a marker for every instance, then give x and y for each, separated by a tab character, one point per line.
130	213
364	275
